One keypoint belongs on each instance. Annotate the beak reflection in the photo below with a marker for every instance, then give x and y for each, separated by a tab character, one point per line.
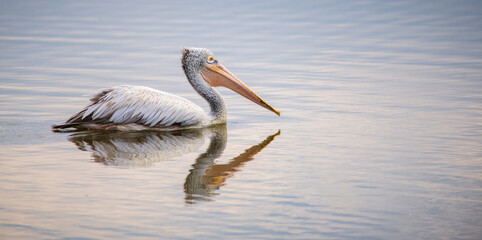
206	177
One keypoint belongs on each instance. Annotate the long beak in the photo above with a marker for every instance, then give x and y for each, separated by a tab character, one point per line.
217	75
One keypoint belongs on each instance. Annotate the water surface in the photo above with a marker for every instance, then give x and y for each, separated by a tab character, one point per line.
379	135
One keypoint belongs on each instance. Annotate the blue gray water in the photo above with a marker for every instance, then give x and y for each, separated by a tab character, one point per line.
380	134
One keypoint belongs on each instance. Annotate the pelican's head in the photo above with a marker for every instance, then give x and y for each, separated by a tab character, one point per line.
202	61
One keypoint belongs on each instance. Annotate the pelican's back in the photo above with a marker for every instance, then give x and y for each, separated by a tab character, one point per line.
136	107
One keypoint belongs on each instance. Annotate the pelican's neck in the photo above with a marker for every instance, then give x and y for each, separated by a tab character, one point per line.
216	102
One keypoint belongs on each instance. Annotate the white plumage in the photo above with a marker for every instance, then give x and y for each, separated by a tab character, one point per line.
138	107
143	105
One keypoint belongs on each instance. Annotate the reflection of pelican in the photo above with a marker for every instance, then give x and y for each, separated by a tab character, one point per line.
205	177
145	148
134	108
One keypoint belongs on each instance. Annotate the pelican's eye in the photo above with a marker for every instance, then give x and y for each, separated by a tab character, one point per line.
211	60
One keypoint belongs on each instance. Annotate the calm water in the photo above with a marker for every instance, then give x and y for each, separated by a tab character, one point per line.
380	134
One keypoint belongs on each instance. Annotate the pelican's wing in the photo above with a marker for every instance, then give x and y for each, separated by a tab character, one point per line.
137	105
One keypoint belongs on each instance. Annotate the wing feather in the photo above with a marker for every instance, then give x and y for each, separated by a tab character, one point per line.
139	105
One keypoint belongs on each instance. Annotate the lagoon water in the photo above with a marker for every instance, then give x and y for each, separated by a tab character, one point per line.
380	134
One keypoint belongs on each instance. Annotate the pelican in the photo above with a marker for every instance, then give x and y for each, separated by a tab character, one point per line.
141	108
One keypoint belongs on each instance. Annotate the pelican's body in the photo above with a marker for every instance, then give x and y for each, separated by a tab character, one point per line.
137	107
